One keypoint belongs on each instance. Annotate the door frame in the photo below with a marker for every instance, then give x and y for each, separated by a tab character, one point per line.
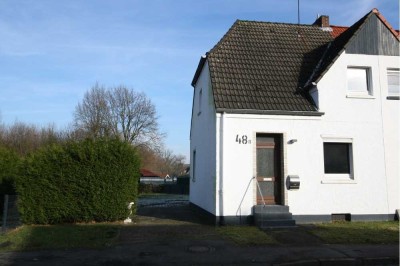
281	165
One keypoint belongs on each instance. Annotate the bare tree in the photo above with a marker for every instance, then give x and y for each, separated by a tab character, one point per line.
92	115
162	160
134	116
120	112
172	164
23	138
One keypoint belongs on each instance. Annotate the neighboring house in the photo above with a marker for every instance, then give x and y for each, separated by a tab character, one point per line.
276	105
148	177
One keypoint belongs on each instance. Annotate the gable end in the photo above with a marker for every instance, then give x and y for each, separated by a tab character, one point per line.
374	38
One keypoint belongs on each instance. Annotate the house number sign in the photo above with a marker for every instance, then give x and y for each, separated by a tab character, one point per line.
242	139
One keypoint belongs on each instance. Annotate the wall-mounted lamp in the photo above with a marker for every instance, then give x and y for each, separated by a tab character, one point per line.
292	141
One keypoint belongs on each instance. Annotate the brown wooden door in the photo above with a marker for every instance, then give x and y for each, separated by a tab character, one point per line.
268	169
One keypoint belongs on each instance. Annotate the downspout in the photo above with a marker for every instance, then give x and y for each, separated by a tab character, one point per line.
383	141
221	170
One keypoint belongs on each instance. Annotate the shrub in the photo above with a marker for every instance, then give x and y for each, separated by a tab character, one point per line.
91	180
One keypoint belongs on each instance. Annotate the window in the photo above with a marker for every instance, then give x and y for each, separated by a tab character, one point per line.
194	166
393	78
338	160
200	99
358	81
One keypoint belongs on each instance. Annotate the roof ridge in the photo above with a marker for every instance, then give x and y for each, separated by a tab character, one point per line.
274	22
339	26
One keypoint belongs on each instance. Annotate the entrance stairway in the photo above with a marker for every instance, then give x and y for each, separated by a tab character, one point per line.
267	216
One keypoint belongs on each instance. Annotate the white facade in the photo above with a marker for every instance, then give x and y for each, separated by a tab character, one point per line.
222	171
203	145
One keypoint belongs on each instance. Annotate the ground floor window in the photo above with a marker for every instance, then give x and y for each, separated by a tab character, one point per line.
338	159
194	166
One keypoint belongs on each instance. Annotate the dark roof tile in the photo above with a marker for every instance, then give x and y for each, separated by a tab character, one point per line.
259	64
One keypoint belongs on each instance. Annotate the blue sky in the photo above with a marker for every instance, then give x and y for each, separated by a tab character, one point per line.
51	52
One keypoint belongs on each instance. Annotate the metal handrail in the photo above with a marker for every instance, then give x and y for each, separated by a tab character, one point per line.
244	195
240	205
259	190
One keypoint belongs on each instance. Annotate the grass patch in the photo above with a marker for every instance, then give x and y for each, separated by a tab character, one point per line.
358	232
35	237
246	235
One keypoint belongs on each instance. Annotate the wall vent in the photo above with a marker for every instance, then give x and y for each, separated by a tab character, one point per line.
341	217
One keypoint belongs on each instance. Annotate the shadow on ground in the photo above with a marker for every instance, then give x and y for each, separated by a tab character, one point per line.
168	209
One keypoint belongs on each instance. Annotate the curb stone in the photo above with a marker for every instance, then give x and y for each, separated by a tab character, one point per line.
381	261
342	262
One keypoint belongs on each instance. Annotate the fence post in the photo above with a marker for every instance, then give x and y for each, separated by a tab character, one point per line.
5	211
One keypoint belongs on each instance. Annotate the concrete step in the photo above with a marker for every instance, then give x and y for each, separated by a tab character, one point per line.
272	216
270	209
266	216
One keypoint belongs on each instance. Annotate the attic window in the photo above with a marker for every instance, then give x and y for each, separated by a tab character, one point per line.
358	81
393	76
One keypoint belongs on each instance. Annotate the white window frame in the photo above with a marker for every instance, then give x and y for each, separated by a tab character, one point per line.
339	178
366	92
394	72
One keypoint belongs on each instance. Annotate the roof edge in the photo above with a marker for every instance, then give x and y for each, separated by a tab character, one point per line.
386	23
200	66
269	112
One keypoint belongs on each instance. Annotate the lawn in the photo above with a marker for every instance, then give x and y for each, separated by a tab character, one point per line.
59	237
358	232
104	235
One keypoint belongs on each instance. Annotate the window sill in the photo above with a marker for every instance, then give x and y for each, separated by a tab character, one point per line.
338	181
360	96
393	98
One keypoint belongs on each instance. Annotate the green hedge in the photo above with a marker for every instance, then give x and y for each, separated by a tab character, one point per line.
91	180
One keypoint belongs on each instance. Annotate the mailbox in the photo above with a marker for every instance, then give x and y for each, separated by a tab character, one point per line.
293	182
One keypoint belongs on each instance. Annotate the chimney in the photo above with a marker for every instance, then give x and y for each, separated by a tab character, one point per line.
322	21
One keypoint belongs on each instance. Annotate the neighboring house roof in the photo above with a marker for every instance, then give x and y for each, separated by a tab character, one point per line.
265	66
147	173
337	30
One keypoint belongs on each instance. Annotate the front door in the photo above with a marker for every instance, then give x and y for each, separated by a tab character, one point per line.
268	168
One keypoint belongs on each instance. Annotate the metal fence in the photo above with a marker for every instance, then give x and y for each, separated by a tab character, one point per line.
11	218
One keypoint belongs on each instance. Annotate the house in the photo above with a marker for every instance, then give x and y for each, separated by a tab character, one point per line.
149	177
299	123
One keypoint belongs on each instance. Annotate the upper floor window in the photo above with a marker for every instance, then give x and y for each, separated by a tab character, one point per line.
359	81
200	100
393	78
